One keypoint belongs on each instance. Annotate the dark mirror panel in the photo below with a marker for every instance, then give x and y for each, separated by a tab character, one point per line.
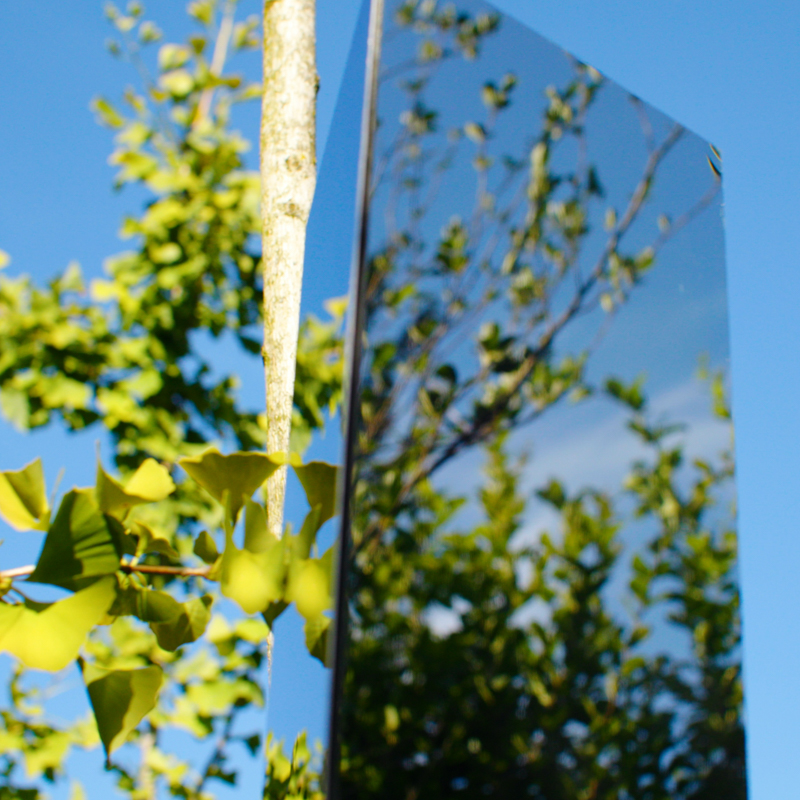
540	593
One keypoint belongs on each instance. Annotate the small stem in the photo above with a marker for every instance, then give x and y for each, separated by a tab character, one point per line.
217	61
217	755
147	569
147	784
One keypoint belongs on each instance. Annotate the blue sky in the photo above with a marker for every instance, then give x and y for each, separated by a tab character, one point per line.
728	70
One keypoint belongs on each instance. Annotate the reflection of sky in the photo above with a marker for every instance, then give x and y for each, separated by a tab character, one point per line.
683	299
676	314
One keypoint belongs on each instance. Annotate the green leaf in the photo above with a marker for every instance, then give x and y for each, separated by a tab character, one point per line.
257	537
188	626
148	605
304	540
233	478
319	481
310	585
49	637
172	56
15	406
253	580
316	631
178	82
205	548
82	544
107	113
149	484
150	541
23	501
120	700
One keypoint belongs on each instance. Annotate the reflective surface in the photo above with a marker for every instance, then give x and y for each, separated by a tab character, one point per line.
541	593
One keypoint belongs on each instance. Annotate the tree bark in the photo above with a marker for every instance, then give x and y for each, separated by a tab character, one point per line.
288	178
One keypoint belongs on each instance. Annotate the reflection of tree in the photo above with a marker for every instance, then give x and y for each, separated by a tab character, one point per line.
572	704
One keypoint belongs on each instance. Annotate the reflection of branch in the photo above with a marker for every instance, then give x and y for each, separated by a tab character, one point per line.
644	121
701	205
479	429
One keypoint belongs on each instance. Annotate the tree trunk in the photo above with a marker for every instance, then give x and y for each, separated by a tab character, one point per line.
288	177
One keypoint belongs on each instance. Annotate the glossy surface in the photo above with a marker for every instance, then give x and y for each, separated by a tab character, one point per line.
542	594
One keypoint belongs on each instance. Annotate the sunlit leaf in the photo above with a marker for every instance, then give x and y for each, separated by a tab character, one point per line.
50	636
253	580
23	501
319	481
205	548
120	700
257	537
81	545
310	585
317	630
235	476
151	541
150	483
188	626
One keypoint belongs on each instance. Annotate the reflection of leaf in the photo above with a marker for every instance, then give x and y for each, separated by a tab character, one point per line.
23	502
150	483
81	545
51	638
317	630
120	700
319	482
235	476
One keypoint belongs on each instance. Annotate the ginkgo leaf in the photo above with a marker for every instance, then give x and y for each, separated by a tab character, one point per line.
120	699
233	478
23	501
310	585
188	626
319	481
82	544
205	548
317	631
306	536
257	537
151	541
150	483
50	636
253	580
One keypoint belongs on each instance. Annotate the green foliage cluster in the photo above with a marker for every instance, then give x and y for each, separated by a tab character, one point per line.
584	703
99	548
149	557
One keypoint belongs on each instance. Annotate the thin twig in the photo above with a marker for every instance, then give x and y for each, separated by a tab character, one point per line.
147	569
217	62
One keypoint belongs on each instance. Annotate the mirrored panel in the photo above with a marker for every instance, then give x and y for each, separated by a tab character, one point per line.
540	593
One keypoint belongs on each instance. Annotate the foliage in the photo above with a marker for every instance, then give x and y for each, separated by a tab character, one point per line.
153	556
